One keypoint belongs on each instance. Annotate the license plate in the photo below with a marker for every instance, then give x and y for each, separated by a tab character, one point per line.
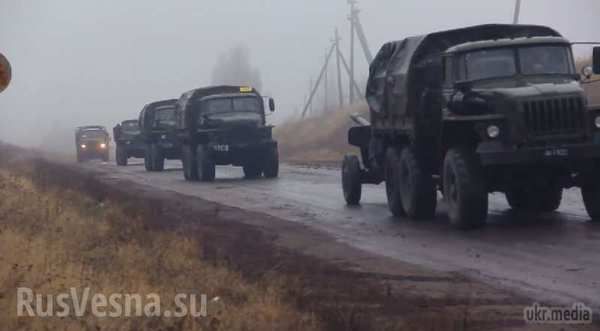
557	152
221	148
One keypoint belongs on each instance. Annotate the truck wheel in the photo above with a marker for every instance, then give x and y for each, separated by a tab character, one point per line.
79	158
271	168
351	183
464	189
252	170
158	159
205	164
542	201
105	157
148	163
591	200
417	188
190	166
392	159
121	156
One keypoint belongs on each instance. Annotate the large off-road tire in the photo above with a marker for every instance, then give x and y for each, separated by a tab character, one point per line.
205	164
351	183
464	189
252	170
591	200
271	166
392	189
539	200
105	157
416	186
148	163
158	158
80	158
121	156
190	165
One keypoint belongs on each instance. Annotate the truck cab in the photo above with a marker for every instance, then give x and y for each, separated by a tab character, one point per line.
129	142
92	142
158	128
226	125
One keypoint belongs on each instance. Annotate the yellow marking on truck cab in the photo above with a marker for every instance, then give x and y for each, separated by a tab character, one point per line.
246	89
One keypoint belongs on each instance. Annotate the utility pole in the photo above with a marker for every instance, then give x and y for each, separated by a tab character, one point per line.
360	33
517	12
326	85
352	4
319	80
353	85
356	31
339	68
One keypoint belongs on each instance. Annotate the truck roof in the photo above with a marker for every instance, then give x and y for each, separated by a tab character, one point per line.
486	44
91	128
129	121
217	90
162	103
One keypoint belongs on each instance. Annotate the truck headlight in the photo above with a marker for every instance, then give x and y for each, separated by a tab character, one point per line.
84	146
597	122
493	131
103	146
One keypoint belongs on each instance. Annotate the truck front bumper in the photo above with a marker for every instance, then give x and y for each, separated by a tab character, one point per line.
496	153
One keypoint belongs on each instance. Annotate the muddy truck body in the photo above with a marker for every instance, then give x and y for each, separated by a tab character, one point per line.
226	125
92	142
129	141
158	128
468	112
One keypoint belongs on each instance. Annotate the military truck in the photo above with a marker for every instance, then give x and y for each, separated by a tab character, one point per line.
158	127
492	108
128	139
226	125
92	142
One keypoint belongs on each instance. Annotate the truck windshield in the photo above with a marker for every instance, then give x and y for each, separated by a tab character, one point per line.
130	127
545	60
93	134
165	117
490	64
533	60
233	105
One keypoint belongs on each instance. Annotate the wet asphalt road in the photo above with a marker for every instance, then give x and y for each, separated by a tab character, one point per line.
551	257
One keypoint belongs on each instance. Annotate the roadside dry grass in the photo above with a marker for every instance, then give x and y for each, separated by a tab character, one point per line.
318	139
52	240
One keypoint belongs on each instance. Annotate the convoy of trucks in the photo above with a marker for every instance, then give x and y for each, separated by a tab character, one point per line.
464	112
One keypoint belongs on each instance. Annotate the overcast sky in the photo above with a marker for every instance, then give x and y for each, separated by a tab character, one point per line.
78	62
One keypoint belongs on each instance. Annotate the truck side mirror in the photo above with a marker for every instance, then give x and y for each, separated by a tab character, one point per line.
271	104
596	65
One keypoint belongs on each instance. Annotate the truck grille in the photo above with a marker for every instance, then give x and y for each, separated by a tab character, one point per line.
564	116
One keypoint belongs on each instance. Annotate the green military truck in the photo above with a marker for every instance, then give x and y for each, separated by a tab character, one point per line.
129	142
92	142
492	108
226	125
158	127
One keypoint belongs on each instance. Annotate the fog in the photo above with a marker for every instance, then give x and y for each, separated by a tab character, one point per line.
98	62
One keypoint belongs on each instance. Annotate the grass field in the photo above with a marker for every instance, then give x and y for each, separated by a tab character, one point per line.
52	240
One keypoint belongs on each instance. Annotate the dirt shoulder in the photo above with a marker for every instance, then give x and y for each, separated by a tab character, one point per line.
343	288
